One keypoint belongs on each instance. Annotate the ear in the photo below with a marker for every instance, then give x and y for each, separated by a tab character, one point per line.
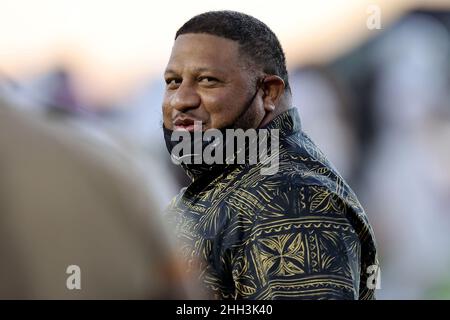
273	87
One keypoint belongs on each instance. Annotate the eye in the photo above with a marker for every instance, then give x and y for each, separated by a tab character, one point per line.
208	80
173	83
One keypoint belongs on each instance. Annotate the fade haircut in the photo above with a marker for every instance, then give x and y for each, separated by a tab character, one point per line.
256	41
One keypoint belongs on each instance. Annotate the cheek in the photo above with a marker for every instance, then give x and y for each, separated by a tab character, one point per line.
221	119
167	113
222	109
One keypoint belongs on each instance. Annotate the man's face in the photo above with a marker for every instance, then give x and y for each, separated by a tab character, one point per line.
206	82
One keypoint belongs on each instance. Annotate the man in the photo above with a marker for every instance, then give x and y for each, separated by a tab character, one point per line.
298	233
75	220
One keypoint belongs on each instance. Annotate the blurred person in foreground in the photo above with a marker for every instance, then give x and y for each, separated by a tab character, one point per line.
72	209
296	233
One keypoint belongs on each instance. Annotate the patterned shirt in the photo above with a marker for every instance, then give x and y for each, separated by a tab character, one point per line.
298	234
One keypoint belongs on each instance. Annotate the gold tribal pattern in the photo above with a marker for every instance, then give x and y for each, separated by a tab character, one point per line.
298	234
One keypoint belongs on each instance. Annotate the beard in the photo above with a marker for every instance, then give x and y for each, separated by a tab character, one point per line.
248	118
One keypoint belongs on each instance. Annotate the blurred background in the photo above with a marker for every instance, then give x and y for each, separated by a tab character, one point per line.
371	80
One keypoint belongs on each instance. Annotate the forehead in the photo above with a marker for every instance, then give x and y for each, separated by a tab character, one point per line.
204	51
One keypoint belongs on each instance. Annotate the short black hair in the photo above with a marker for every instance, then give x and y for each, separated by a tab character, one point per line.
255	38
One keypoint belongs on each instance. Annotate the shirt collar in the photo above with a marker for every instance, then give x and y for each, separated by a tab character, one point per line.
287	122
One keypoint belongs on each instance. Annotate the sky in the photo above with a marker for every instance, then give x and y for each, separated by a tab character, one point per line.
113	44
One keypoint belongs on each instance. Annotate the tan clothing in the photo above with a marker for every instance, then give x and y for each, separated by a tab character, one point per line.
64	202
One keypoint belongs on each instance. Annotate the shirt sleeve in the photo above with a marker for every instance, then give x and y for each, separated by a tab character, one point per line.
300	246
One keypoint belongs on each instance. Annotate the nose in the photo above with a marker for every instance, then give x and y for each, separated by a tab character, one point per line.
185	98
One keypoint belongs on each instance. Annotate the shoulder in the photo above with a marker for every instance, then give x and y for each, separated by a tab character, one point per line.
303	191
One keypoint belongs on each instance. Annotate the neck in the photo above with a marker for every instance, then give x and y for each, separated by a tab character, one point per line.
285	103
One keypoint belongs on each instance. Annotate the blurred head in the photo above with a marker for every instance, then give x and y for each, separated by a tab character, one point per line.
226	69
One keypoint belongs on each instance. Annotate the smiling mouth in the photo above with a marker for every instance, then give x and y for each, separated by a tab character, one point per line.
187	125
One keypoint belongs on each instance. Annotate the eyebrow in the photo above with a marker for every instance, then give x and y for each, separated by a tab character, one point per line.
197	70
